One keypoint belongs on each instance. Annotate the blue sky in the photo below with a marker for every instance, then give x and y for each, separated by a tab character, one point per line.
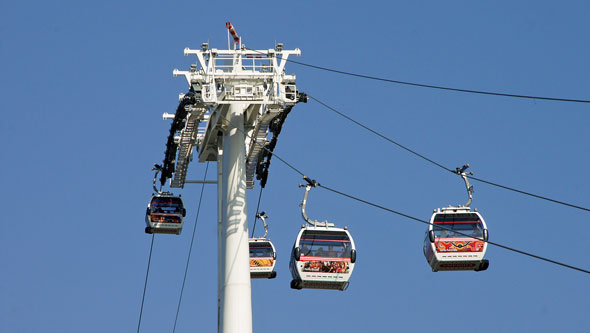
84	85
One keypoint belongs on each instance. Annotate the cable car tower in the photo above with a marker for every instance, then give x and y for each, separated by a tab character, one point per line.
234	96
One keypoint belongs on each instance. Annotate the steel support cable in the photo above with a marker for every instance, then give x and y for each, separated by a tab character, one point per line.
415	218
427	159
422	85
442	166
190	250
145	284
555	99
529	194
257	208
380	135
428	223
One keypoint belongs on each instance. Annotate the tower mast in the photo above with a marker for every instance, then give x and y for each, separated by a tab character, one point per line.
234	96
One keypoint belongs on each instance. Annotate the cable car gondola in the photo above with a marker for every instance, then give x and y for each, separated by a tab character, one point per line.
165	212
456	239
262	254
323	256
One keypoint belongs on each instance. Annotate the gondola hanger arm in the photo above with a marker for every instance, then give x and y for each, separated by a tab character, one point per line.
158	169
262	215
461	172
310	183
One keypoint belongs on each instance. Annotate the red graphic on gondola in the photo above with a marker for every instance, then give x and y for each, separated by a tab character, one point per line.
459	245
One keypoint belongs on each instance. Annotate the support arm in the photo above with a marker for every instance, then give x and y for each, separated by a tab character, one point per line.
463	174
263	217
311	183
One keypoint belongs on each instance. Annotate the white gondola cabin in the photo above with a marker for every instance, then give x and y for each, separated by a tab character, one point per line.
323	257
165	214
262	258
456	240
263	255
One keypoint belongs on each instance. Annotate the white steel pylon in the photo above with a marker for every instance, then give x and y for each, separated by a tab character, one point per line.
235	94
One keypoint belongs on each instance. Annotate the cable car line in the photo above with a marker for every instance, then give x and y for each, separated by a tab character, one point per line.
422	85
444	167
380	135
257	210
145	284
190	250
529	194
415	218
470	91
428	223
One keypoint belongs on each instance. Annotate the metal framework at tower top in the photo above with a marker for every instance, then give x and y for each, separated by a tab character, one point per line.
220	78
236	98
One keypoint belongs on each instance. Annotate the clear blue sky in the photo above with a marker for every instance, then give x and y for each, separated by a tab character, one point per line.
83	88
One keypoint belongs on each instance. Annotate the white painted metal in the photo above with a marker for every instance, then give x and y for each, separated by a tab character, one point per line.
229	76
325	258
236	305
263	254
237	91
461	255
262	266
460	241
167	116
304	214
262	76
220	241
322	271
